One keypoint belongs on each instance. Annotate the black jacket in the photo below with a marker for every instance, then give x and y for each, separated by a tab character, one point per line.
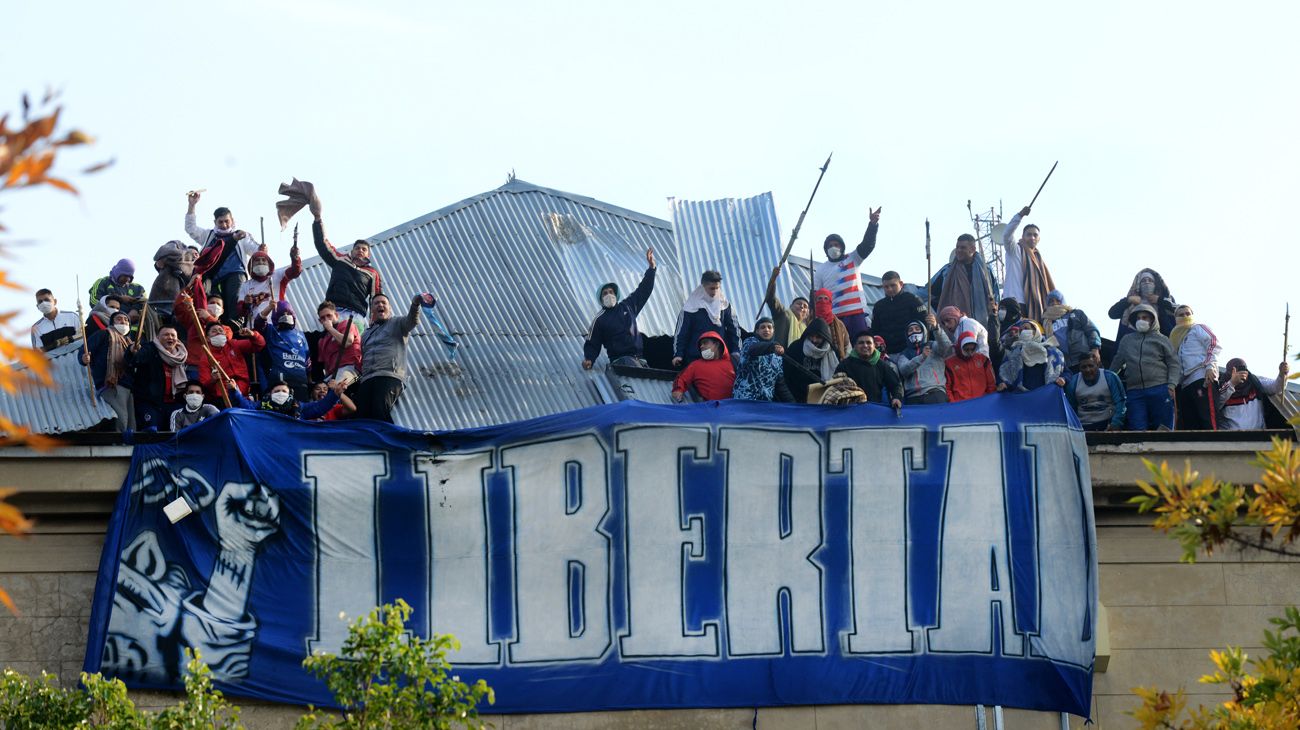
890	317
690	325
149	377
615	328
802	371
873	379
350	286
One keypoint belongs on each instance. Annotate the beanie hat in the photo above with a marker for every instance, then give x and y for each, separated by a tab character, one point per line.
833	238
122	267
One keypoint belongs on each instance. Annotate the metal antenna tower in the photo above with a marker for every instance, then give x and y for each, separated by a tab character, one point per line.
988	224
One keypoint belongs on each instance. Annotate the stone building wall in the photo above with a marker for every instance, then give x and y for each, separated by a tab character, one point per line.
1162	617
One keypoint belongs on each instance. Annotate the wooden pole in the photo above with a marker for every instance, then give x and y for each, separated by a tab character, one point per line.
144	313
212	361
85	345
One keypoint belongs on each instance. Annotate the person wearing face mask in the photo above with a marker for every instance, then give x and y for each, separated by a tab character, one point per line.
968	373
280	399
120	282
614	329
787	324
921	364
1198	351
193	408
109	359
810	359
823	310
184	309
705	310
228	356
839	274
1148	288
224	254
761	373
174	262
868	368
966	282
266	286
158	371
1245	400
891	314
286	357
101	314
710	377
54	328
1031	362
1070	329
1150	367
354	280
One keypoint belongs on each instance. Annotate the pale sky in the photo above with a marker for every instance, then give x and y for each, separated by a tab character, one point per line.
1174	124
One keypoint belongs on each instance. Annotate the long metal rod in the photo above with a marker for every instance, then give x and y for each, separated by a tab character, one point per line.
1040	187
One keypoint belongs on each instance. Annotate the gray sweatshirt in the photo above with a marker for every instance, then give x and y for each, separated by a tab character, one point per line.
1148	360
383	346
921	374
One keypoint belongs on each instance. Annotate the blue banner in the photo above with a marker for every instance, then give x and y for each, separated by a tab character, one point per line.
626	556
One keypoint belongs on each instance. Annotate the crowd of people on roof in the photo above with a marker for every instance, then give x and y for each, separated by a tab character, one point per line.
975	336
215	331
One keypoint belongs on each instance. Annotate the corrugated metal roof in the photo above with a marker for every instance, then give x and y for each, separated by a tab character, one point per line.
516	271
740	238
63	408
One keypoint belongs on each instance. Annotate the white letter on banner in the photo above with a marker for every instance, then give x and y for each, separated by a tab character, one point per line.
347	543
458	568
774	525
974	574
660	542
1066	545
878	495
561	496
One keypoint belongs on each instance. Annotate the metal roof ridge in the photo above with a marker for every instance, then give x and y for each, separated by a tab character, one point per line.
517	186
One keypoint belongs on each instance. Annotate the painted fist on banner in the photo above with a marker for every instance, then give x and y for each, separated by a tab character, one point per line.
246	515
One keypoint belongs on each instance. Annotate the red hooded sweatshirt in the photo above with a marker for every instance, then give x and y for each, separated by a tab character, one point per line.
968	377
712	379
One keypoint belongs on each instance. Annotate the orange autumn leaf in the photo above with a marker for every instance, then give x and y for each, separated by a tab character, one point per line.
9	603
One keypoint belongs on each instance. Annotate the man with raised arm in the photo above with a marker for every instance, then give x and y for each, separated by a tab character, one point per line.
383	357
1027	279
354	282
224	254
839	273
614	329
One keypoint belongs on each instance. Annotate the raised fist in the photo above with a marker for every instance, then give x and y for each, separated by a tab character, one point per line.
246	515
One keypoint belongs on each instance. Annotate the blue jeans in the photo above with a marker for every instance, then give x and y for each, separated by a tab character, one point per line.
1150	408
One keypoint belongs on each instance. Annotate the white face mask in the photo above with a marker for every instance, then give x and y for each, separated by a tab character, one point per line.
193	400
280	397
218	340
916	337
708	354
1142	325
834	252
215	310
261	270
1002	316
122	328
1026	335
45	306
113	310
608	301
